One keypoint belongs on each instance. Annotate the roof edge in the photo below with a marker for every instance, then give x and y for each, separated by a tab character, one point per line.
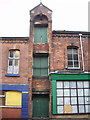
39	5
70	32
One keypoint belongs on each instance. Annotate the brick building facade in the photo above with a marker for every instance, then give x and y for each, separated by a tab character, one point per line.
45	75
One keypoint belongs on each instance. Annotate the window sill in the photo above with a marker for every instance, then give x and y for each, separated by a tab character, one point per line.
11	106
71	68
71	113
41	43
40	77
12	75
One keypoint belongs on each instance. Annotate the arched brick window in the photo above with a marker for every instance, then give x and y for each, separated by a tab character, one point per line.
13	62
73	57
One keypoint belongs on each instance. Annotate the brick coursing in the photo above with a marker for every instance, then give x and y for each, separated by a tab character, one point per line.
56	49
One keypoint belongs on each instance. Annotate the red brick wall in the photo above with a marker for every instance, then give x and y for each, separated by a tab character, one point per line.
23	66
56	48
59	50
38	84
0	62
41	48
89	54
8	112
41	84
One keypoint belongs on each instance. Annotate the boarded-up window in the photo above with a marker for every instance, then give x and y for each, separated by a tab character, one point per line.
67	109
13	98
40	35
40	66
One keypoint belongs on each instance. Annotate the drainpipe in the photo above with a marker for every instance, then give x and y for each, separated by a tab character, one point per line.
81	50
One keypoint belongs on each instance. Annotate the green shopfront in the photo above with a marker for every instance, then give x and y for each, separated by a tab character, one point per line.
70	93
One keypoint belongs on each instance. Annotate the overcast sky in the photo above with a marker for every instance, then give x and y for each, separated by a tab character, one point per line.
69	15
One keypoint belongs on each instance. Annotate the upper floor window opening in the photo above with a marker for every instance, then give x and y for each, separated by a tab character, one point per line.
13	62
40	66
40	29
73	57
40	34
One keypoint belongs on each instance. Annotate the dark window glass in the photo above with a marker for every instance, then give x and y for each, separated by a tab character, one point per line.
69	56
12	53
10	62
2	98
75	57
70	63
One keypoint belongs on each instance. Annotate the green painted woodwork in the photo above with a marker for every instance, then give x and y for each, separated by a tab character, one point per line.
54	108
40	106
40	35
69	76
55	77
40	66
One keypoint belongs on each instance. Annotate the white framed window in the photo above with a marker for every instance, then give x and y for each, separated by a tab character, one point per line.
73	58
13	62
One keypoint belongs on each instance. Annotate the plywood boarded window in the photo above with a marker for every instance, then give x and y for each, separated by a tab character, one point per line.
13	98
67	109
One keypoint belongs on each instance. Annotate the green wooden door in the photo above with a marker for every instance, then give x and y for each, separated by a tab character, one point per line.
40	106
40	35
40	66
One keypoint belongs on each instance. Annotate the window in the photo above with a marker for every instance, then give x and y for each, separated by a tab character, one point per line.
73	97
13	98
13	62
73	61
40	66
2	98
40	35
10	98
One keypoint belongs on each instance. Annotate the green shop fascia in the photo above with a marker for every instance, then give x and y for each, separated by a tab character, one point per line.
54	77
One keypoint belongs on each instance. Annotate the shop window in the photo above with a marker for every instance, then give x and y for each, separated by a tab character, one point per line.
73	59
13	62
40	65
72	97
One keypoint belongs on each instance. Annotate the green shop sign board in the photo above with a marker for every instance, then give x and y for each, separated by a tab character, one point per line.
69	76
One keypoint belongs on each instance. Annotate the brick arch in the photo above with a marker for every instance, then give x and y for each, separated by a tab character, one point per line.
72	46
40	18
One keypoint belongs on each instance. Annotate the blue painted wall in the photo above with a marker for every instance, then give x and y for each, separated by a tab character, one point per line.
22	88
24	105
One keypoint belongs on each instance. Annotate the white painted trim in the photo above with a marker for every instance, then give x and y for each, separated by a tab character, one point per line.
11	106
